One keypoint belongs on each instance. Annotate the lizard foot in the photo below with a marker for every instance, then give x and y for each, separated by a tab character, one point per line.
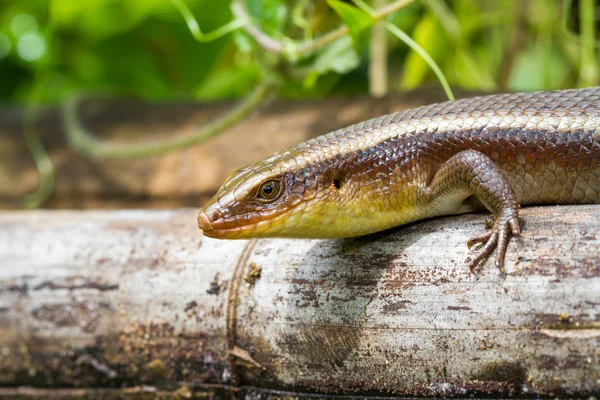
496	238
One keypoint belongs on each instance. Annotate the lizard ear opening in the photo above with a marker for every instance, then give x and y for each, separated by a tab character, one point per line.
336	179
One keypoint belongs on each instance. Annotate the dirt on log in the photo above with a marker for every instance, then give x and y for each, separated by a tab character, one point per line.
179	179
141	299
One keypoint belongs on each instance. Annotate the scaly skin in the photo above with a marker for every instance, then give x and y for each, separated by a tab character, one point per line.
494	152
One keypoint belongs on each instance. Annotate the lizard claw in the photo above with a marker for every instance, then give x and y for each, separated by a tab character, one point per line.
479	239
497	239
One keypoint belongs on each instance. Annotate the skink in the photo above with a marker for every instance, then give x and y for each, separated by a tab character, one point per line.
495	152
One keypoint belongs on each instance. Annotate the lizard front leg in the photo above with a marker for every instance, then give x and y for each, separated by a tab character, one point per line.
471	173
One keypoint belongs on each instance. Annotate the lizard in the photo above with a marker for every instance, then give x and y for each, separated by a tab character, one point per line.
495	152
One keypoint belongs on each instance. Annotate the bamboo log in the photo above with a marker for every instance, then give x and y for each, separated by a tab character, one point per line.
126	298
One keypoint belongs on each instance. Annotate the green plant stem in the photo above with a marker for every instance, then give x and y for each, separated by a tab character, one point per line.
300	20
588	72
195	28
306	48
81	140
564	22
87	144
40	157
378	62
294	50
432	64
414	46
452	27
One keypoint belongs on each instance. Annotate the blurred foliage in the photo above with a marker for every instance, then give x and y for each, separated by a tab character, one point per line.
144	48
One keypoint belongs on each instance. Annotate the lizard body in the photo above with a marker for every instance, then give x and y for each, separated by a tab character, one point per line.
494	152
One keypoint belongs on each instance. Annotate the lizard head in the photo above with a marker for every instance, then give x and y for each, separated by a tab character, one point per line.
277	197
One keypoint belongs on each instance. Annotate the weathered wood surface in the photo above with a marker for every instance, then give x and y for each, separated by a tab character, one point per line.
185	178
105	299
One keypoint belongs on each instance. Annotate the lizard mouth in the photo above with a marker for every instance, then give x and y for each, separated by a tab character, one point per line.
237	228
211	229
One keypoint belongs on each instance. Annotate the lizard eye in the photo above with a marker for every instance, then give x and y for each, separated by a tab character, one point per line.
269	190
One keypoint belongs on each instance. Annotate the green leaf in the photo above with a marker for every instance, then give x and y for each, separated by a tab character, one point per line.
338	57
539	66
228	81
244	43
472	73
271	15
102	18
355	19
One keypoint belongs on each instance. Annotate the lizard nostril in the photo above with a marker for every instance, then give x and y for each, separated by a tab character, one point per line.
215	216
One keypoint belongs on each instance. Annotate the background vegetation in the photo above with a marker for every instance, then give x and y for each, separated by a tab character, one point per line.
144	48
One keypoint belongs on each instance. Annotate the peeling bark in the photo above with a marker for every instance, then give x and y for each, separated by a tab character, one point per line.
133	298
